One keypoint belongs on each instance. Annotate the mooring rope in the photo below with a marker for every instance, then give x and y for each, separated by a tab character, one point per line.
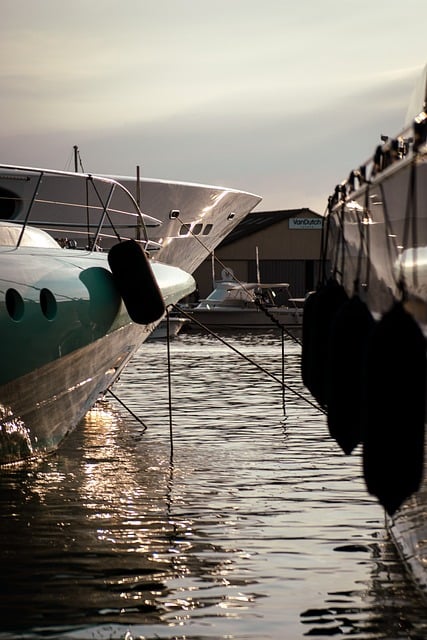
250	360
253	298
284	330
169	384
137	418
283	372
274	320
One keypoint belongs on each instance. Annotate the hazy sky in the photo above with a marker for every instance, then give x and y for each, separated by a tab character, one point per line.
278	97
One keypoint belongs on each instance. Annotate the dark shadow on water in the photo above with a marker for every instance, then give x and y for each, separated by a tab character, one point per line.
392	606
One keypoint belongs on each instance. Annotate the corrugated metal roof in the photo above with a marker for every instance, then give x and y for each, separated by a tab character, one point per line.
258	220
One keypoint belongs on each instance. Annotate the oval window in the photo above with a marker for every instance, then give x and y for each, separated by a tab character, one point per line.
48	304
14	304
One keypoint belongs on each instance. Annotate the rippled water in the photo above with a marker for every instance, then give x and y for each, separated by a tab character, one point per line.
258	527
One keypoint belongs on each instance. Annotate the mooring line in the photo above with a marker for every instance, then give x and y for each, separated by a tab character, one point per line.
245	357
169	384
283	372
137	418
241	284
274	320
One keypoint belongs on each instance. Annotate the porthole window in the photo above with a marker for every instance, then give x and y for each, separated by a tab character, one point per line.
14	304
197	228
48	304
207	229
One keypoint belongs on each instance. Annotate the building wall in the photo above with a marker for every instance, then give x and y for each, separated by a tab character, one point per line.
288	251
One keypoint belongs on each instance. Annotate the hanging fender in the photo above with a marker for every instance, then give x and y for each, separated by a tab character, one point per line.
321	311
394	409
135	282
348	339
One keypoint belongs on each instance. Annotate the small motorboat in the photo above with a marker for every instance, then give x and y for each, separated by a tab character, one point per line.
246	305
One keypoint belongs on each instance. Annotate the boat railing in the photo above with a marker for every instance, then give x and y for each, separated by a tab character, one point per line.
411	140
78	210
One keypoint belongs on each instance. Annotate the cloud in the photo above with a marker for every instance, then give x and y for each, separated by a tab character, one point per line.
291	159
246	94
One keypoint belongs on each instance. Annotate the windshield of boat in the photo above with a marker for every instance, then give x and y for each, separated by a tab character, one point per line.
232	292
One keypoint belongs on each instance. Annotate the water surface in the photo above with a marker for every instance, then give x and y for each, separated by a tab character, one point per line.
257	527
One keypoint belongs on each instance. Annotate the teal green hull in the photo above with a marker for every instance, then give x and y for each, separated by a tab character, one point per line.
39	409
59	307
65	337
71	314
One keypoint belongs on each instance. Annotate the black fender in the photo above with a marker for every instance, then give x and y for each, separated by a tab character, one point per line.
319	312
348	342
136	282
394	409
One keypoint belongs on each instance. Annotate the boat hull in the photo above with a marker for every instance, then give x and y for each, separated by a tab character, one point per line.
246	319
378	239
162	331
195	217
408	528
66	334
384	260
40	408
190	220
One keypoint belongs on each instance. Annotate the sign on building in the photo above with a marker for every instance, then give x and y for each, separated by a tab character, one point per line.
305	223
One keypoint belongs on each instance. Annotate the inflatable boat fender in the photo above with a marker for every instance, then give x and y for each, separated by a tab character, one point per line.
394	409
325	305
348	341
136	282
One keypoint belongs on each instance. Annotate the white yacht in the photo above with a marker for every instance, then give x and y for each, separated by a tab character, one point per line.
364	350
70	318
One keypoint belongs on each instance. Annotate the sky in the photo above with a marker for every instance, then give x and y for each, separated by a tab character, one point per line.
282	98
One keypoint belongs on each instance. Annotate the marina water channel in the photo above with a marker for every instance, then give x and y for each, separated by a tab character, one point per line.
257	528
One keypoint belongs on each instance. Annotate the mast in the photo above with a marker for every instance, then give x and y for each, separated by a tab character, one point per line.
138	201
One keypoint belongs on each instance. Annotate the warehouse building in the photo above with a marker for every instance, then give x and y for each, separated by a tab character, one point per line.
288	247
